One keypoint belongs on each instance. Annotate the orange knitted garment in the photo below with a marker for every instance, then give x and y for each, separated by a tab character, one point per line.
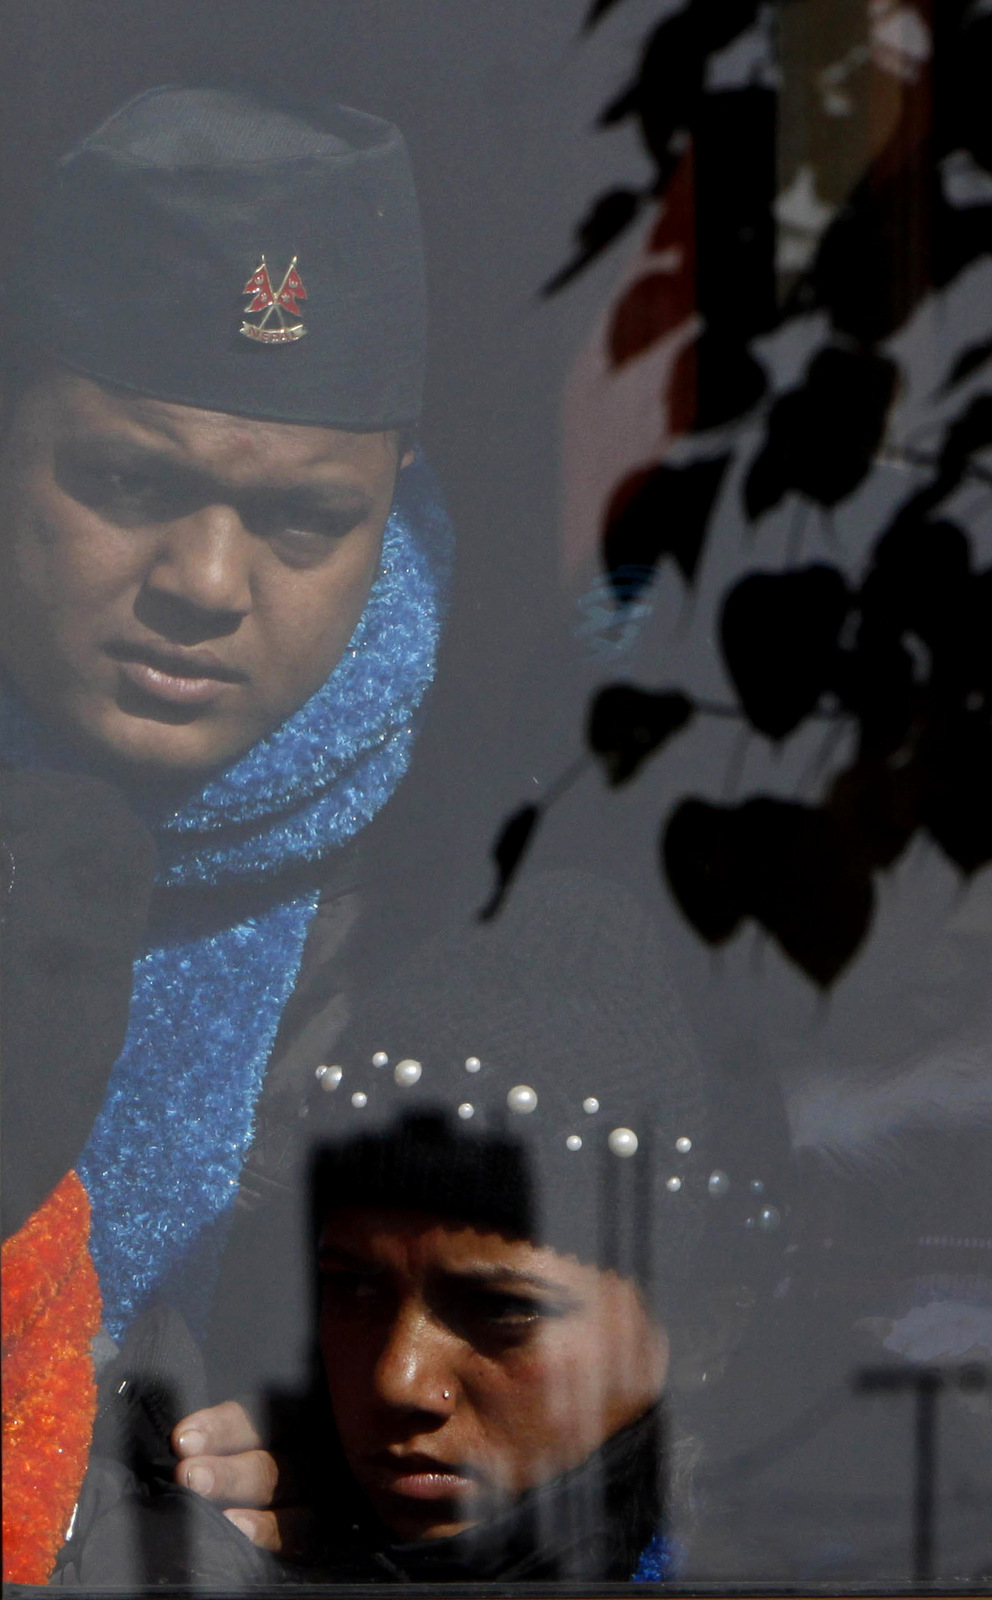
51	1310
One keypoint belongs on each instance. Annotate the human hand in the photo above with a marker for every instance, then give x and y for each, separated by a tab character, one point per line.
221	1458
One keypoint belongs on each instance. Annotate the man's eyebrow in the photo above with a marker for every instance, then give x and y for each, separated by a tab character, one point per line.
120	450
132	453
94	451
345	498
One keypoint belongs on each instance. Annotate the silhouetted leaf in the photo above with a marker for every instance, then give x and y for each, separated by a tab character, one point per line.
734	142
597	11
961	235
508	852
661	511
924	642
875	804
822	437
868	274
968	362
917	579
805	884
779	633
627	725
700	859
715	380
970	433
963	663
612	213
972	76
669	83
876	681
957	804
786	865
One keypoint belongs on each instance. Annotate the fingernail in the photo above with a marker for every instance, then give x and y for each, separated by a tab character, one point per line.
192	1442
243	1524
199	1479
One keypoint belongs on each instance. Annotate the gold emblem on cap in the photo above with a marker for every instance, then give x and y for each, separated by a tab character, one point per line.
281	300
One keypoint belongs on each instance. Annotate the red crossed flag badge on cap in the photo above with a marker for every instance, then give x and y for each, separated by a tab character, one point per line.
286	297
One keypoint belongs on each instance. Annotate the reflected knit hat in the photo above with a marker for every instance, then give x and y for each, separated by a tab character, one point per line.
537	1075
203	248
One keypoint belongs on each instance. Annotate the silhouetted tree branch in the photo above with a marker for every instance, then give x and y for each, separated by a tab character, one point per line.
905	656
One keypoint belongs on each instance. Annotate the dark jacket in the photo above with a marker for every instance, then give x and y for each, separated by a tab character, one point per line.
135	1527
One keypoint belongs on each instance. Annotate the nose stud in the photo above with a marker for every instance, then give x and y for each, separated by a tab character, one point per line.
447	1394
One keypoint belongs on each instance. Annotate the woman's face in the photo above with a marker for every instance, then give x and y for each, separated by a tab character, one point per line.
465	1367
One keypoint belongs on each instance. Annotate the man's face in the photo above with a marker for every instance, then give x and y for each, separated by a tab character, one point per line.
464	1368
174	583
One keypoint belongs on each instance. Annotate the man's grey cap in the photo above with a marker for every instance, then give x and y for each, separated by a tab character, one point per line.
156	222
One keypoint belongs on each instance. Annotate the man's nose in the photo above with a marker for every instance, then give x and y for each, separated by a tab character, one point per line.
203	561
414	1371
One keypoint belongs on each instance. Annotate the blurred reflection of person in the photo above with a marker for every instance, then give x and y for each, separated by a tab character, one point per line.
496	1400
540	1228
537	1216
772	1466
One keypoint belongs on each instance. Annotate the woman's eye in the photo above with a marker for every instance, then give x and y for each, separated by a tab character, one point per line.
513	1311
485	1315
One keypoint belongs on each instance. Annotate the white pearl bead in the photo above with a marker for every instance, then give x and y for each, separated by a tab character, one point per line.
769	1218
380	1059
673	1184
573	1142
407	1072
718	1183
472	1064
329	1077
521	1098
465	1111
623	1142
359	1099
683	1145
591	1105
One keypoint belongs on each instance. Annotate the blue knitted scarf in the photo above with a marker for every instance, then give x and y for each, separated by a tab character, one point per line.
165	1155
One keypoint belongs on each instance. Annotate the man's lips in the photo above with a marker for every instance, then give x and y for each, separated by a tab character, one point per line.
172	675
419	1477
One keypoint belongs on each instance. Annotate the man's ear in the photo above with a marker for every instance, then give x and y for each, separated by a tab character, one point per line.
405	441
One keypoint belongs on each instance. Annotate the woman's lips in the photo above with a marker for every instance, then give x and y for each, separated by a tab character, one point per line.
421	1478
